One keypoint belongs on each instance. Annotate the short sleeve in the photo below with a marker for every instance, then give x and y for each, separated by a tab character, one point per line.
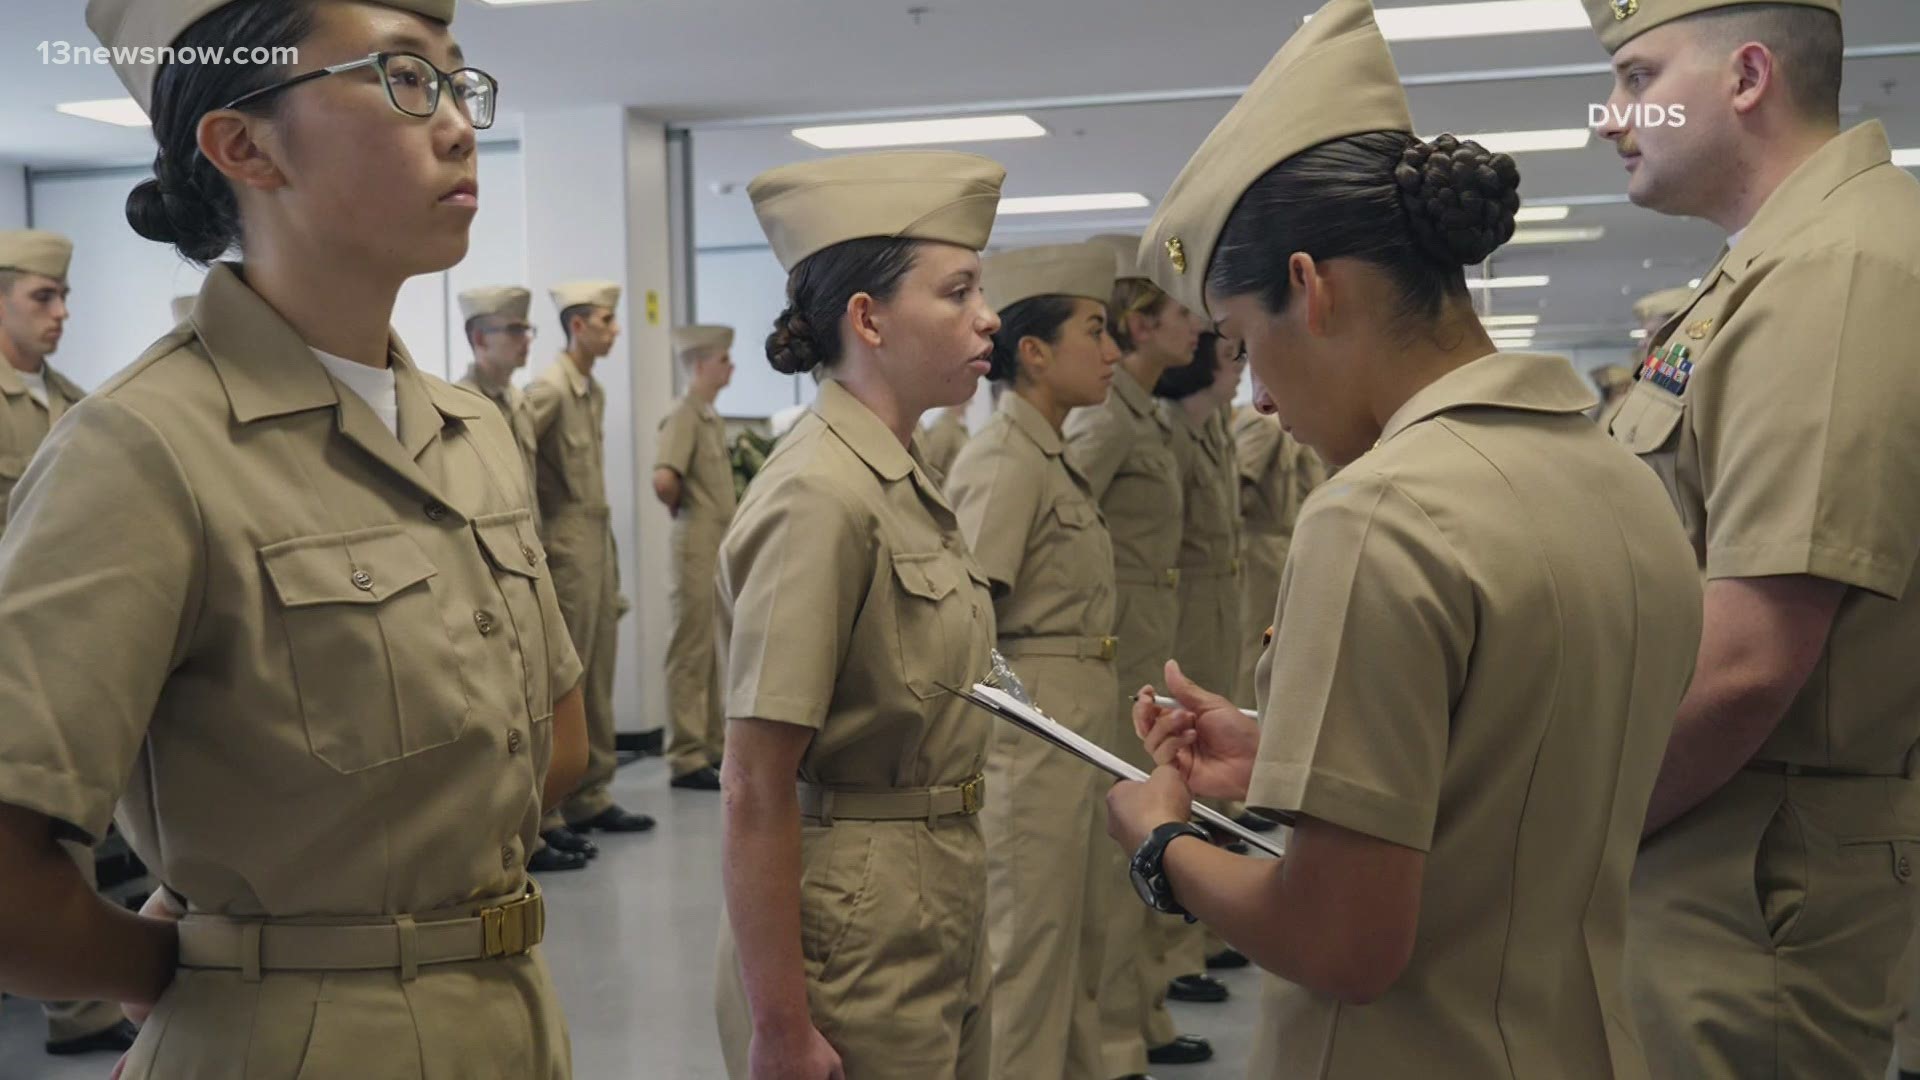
997	502
677	440
1097	445
794	571
100	564
1375	630
1809	454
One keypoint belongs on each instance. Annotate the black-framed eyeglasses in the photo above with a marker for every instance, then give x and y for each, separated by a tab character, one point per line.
521	331
413	86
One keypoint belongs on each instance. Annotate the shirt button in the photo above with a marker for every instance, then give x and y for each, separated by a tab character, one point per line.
436	512
1903	869
513	741
363	581
531	555
506	858
484	622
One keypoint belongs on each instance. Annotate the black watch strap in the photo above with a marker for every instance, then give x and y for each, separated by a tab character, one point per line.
1148	867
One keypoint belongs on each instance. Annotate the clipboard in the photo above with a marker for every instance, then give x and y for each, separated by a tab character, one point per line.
1031	720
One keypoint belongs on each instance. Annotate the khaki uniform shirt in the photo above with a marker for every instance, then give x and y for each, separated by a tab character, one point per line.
569	425
1123	448
512	403
693	443
942	441
848	596
314	664
1034	527
1487	624
1207	643
24	422
1793	448
1277	474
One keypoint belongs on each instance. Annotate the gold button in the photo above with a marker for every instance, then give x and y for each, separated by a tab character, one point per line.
1903	869
436	512
363	581
506	858
527	552
513	741
484	621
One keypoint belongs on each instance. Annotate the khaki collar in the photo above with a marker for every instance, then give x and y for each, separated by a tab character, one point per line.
1132	394
581	382
269	371
11	382
508	394
862	431
1027	419
1524	382
1787	210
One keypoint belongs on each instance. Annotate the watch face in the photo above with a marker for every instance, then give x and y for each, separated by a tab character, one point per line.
1144	887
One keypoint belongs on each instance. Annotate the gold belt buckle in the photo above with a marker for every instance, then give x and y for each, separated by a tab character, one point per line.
1109	647
971	795
507	928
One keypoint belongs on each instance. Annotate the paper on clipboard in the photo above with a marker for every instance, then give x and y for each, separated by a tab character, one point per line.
1033	721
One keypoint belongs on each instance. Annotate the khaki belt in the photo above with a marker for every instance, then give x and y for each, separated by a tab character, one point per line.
1149	579
253	946
1061	646
1212	572
1786	768
901	804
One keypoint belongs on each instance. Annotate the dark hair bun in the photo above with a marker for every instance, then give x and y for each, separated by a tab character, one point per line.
792	348
1460	199
198	230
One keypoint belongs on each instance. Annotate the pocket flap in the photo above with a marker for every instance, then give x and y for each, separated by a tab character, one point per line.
367	567
509	541
1075	514
1647	418
930	576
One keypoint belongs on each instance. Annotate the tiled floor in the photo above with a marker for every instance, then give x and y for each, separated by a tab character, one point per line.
631	941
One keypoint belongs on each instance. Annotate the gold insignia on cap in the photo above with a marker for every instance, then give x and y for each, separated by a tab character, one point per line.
1625	9
1700	329
1177	254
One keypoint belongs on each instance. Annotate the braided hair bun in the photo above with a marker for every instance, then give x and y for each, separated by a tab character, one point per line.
1460	198
792	348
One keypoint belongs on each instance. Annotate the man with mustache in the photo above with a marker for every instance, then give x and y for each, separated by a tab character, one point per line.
1774	895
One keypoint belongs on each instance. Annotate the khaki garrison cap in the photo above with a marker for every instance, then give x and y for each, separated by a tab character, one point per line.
1056	270
506	301
905	195
137	29
1126	253
1333	79
1620	21
688	340
1661	306
36	252
573	294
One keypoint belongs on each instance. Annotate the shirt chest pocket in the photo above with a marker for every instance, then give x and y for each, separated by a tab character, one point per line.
12	467
940	627
519	573
374	662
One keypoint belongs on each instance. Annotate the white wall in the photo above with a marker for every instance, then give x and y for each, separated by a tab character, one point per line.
13	196
745	288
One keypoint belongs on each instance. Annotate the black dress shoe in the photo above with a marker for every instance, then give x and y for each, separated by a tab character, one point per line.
613	819
1185	1050
1228	959
567	840
1197	989
550	859
702	779
1259	823
1909	1074
117	1039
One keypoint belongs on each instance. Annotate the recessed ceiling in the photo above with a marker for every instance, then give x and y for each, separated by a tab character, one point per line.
695	62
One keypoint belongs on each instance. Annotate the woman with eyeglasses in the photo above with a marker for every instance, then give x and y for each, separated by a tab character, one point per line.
278	594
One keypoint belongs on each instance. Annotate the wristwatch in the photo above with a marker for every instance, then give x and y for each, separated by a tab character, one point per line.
1149	872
